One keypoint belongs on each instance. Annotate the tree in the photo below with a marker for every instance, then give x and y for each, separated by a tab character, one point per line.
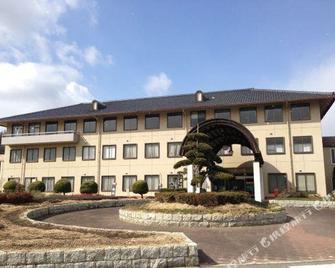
140	187
89	187
200	154
62	186
37	186
13	186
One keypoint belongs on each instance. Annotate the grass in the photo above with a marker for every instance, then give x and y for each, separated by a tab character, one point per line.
228	209
17	234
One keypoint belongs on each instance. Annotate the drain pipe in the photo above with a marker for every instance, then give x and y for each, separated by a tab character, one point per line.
290	143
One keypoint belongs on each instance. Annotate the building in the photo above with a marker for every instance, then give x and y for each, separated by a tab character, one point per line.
118	142
2	152
329	156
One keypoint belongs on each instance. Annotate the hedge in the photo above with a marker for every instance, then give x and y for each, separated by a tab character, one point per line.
163	190
16	198
13	186
89	187
62	186
37	186
203	199
140	187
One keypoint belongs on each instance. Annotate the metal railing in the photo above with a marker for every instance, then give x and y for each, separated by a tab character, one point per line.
39	133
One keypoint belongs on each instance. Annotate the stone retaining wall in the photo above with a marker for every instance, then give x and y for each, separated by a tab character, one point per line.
174	255
198	220
303	203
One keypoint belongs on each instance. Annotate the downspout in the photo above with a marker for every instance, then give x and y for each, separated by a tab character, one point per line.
23	165
99	154
290	143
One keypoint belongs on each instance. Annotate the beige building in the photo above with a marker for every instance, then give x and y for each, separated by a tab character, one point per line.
329	156
118	142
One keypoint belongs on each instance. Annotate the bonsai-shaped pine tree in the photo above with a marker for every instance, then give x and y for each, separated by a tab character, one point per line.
200	154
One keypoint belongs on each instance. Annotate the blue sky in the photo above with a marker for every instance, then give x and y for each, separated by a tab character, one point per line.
67	51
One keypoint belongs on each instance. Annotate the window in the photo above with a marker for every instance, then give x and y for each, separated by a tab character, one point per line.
225	150
90	126
70	126
197	117
127	183
246	151
275	146
49	183
71	180
306	183
174	120
248	115
15	156
107	183
174	149
174	182
303	145
14	179
222	114
152	181
27	182
34	128
87	179
17	130
110	124
332	151
51	127
88	153
152	121
130	123
300	112
108	152
152	150
277	182
274	113
32	155
130	151
49	154
69	153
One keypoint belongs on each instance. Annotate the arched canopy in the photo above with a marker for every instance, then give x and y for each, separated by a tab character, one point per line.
224	132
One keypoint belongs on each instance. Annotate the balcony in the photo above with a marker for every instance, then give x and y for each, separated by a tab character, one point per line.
40	138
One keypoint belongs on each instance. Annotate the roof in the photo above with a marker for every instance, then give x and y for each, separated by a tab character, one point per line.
328	141
217	99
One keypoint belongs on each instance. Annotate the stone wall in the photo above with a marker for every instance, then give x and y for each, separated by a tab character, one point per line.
173	255
199	220
303	203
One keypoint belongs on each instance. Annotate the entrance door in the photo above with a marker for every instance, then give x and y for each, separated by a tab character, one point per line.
333	184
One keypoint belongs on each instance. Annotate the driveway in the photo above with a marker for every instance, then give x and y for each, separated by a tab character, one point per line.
311	239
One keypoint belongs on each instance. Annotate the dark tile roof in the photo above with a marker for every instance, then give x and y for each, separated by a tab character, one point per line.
218	99
328	141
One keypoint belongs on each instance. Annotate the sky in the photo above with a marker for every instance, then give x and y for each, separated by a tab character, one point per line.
57	53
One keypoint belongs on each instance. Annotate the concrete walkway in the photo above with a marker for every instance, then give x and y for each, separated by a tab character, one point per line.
313	239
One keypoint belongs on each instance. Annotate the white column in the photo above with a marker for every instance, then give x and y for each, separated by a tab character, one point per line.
258	182
190	188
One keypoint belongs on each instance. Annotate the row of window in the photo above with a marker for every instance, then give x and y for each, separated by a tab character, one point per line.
305	182
108	183
332	153
174	120
276	145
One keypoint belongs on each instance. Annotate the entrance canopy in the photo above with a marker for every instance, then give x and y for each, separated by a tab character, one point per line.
224	132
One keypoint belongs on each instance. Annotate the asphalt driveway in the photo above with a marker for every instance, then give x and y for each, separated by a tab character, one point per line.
313	238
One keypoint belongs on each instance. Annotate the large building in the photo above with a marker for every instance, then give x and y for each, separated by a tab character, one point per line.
329	157
117	142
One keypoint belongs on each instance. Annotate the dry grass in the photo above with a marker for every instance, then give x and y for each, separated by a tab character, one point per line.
228	209
17	234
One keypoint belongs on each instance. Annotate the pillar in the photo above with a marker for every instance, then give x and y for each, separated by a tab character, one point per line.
258	182
190	188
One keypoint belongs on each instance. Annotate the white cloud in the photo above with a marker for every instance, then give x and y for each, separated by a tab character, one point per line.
318	78
93	56
157	84
31	86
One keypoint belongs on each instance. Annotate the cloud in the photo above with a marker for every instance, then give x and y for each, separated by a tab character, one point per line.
157	84
27	87
93	56
318	78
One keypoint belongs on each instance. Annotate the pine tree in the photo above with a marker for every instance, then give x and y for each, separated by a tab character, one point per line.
200	154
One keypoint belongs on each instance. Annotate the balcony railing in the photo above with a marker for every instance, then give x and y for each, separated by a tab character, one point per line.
40	138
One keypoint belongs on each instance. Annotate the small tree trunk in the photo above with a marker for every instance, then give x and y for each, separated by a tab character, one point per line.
142	196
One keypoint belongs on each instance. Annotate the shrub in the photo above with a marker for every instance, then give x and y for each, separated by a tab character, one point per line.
62	186
19	198
10	186
182	190
3	198
203	199
36	186
140	187
89	187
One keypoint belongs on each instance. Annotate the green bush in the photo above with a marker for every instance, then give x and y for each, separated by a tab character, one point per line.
62	186
203	199
36	186
13	186
140	187
89	187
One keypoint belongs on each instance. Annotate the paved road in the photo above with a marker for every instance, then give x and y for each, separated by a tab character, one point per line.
312	239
